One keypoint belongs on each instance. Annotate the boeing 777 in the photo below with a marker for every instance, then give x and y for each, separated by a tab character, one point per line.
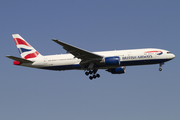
114	62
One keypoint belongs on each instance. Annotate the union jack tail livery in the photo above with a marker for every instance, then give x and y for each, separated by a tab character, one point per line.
25	49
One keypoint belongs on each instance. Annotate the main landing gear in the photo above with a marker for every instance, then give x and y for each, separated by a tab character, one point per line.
160	65
93	72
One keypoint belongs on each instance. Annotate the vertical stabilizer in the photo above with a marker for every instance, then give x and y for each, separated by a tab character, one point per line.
25	49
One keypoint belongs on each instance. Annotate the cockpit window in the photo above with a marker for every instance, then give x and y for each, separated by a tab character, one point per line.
169	53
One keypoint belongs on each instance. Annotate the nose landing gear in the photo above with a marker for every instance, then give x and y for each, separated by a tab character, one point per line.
160	65
94	76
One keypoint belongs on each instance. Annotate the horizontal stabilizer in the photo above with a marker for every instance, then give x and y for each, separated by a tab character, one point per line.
19	59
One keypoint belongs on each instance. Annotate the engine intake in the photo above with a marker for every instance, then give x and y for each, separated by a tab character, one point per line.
118	70
112	60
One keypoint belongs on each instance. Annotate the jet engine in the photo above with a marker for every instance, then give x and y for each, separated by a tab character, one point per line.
112	60
118	70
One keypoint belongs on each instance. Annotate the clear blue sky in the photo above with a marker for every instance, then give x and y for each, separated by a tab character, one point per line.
142	93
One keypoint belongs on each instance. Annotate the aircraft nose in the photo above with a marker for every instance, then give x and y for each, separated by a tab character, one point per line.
173	56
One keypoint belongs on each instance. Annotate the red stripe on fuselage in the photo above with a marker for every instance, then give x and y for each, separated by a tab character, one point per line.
152	51
32	55
19	41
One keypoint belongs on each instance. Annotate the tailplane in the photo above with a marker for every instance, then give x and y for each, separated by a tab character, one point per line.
25	49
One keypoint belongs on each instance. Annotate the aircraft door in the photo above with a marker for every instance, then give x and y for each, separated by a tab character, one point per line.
45	61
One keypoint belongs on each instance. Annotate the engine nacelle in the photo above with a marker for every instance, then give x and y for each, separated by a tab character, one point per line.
112	60
118	70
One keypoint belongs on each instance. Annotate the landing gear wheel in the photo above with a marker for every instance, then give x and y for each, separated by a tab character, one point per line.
94	76
87	73
98	75
160	69
90	77
90	72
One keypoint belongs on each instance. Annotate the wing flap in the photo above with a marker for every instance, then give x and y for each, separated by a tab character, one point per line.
19	59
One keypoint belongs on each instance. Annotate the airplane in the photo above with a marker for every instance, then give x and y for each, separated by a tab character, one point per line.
114	62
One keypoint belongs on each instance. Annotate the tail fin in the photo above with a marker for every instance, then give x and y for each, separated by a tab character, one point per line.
25	49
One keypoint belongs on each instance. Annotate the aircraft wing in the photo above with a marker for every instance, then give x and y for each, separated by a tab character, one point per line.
19	59
79	53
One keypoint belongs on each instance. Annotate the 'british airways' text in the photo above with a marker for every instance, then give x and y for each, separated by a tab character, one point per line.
136	57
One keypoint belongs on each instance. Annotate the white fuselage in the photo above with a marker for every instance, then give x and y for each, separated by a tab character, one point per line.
127	58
